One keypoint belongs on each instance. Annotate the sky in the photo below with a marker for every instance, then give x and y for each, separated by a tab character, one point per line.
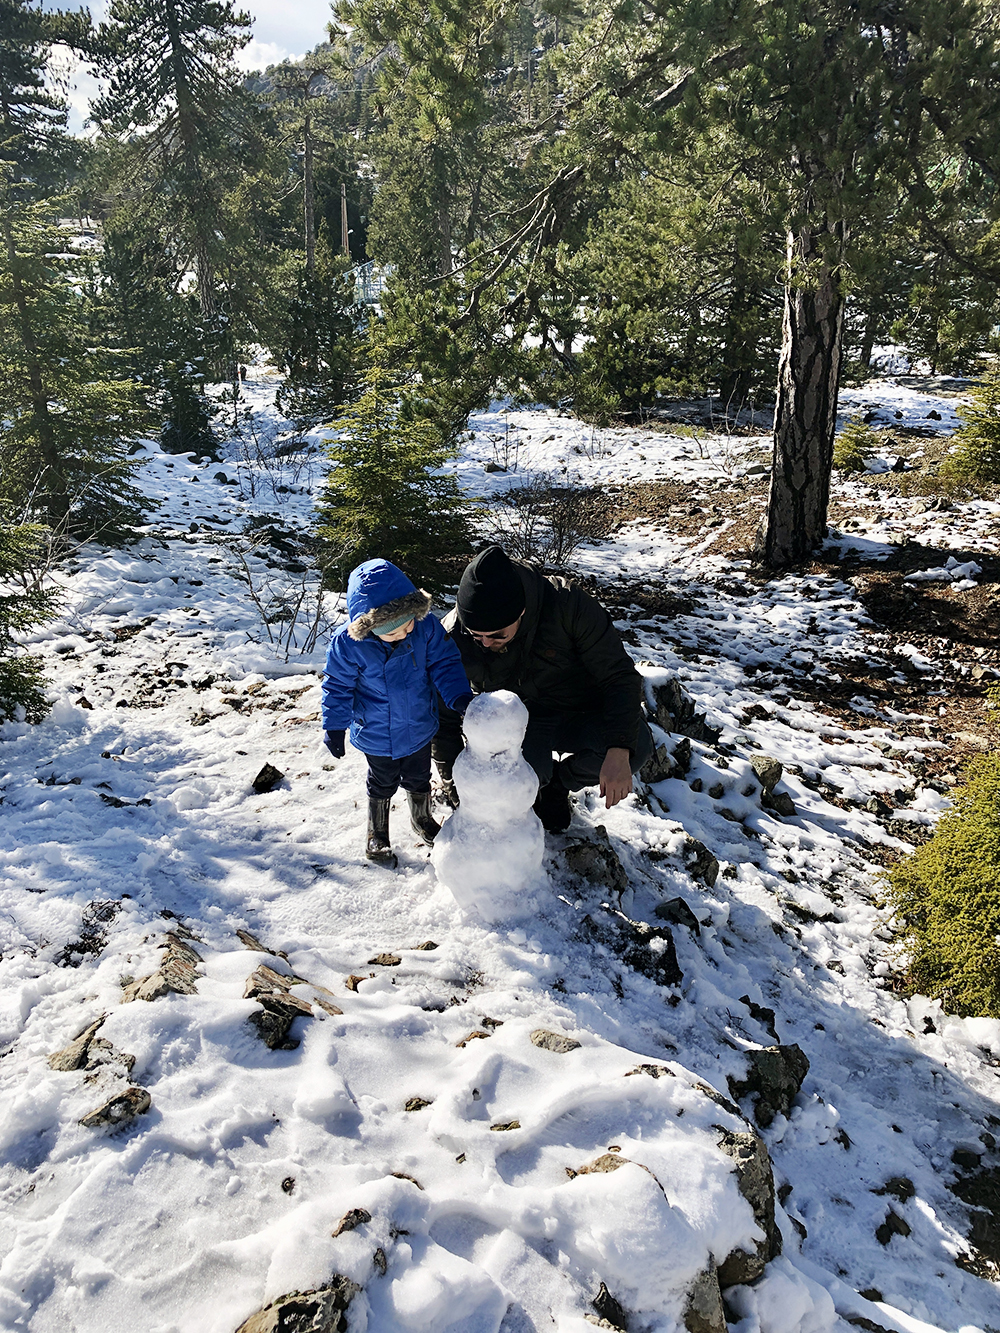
281	29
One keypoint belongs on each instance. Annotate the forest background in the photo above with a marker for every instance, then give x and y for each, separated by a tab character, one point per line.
600	206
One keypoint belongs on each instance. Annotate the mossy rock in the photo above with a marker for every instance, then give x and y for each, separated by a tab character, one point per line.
947	900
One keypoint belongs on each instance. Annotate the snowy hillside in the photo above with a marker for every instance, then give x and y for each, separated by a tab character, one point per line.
340	1083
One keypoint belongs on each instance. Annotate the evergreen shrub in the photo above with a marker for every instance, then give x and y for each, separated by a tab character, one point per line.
977	455
22	606
385	494
947	900
854	446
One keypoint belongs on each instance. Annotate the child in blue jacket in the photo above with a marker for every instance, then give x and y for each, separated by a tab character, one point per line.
383	672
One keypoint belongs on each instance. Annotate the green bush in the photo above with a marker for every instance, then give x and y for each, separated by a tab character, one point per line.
22	606
386	494
854	446
947	900
977	454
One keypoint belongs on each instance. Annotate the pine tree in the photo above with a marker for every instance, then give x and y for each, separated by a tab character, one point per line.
66	415
386	494
22	606
976	455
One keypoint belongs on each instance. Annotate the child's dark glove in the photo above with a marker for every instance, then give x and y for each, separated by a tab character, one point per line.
334	742
462	703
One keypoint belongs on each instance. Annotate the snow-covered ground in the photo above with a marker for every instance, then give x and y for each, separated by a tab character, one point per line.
129	813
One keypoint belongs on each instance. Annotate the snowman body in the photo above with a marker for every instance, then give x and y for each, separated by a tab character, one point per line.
489	853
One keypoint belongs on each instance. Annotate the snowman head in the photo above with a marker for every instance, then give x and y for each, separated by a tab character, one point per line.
495	724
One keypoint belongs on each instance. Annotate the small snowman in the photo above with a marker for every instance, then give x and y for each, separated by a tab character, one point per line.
489	853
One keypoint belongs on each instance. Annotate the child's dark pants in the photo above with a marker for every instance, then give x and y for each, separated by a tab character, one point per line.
386	776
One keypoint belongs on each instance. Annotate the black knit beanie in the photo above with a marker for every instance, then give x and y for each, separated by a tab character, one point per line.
491	594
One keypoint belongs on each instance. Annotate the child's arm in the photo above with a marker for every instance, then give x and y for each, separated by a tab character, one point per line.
444	662
338	686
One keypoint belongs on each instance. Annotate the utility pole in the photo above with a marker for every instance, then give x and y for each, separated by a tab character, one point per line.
345	239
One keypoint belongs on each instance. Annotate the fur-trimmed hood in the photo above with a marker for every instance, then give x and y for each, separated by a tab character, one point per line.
379	593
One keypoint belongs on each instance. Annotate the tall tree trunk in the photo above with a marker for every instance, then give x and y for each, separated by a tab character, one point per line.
806	410
53	476
199	195
868	338
309	200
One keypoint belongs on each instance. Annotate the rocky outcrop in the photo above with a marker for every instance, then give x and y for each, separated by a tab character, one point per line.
768	772
118	1110
176	973
703	1312
279	1007
553	1041
90	1052
699	862
774	1076
323	1310
596	861
755	1181
674	710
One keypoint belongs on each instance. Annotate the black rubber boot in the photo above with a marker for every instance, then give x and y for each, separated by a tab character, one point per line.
423	823
378	848
553	808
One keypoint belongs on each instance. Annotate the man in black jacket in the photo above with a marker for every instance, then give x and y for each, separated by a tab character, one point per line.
555	646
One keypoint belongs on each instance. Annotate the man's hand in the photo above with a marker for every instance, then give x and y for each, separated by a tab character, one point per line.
616	777
334	742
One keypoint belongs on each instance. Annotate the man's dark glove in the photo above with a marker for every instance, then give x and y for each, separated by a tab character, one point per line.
334	742
462	703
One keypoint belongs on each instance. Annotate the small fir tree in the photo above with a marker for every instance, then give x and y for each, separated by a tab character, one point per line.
22	606
947	898
977	455
386	495
855	444
67	414
320	339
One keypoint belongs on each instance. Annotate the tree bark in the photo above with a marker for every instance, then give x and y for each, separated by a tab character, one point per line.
806	410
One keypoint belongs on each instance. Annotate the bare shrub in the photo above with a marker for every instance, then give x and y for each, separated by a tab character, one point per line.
544	523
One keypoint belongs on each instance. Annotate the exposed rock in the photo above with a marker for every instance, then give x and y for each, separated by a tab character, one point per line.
703	1312
610	1309
553	1041
263	980
597	861
355	979
900	1187
74	1056
674	710
665	762
267	779
416	1104
677	911
176	974
320	1311
982	1192
714	1095
379	1262
700	862
654	1071
775	1074
780	802
426	946
716	791
609	1161
761	1014
755	1181
475	1035
385	960
252	942
288	1185
658	767
502	1125
101	1052
894	1225
274	1019
768	771
118	1110
354	1217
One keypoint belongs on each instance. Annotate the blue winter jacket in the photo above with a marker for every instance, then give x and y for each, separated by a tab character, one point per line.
385	692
